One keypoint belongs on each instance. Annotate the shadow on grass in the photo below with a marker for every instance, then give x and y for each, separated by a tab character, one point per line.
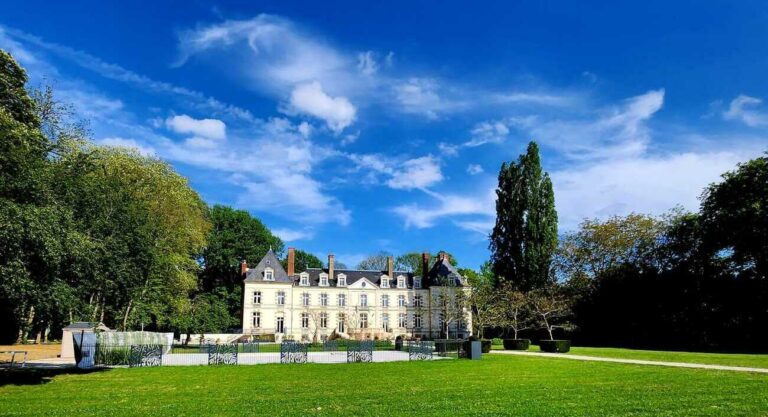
37	376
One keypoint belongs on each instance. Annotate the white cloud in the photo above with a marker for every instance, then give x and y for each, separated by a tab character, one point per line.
291	235
206	128
646	184
366	63
420	96
449	205
743	108
127	143
305	129
474	169
617	132
488	132
416	173
544	99
337	112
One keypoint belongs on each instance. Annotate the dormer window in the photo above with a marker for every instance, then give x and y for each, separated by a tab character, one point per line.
401	282
385	282
342	281
417	283
323	280
304	280
269	274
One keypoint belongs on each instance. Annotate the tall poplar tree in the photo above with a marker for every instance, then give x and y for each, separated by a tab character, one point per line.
525	235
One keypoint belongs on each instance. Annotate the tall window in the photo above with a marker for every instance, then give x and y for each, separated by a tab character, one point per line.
402	321
342	326
342	281
269	275
323	320
342	300
256	319
363	300
417	283
280	327
305	299
385	322
417	321
257	297
363	320
401	301
305	320
304	281
385	283
418	301
385	301
323	280
281	298
323	299
400	282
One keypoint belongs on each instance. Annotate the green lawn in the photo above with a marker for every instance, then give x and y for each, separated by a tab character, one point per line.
495	385
728	359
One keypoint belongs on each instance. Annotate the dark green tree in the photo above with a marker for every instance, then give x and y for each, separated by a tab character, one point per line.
524	237
734	216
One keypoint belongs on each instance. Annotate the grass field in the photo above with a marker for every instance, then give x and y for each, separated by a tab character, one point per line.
495	385
728	359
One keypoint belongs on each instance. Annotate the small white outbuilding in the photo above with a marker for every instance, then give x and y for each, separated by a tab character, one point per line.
67	346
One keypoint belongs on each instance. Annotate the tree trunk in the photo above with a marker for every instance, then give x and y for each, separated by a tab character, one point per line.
26	325
127	313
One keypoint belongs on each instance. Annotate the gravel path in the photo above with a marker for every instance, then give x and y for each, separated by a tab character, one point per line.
632	361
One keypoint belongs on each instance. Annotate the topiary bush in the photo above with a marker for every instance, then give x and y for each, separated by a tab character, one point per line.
517	344
485	345
497	341
555	346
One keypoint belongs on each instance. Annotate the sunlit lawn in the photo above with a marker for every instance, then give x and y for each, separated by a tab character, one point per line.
495	385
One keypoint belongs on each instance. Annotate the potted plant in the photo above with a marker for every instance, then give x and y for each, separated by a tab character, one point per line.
516	315
551	307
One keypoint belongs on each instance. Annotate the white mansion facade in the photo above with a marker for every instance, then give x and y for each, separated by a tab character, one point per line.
314	304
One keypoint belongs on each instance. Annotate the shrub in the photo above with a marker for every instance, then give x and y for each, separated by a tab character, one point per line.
485	345
555	346
517	344
497	341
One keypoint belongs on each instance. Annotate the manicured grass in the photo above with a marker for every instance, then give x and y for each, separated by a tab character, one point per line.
495	385
729	359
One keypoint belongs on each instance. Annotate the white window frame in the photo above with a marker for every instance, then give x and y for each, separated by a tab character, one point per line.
341	323
363	300
385	300
402	320
385	321
306	299
401	302
385	282
363	320
342	281
281	298
417	283
305	320
341	300
417	321
324	299
256	319
269	274
257	297
418	301
400	281
323	280
323	320
278	321
304	279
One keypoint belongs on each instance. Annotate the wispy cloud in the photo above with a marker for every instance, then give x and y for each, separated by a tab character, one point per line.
746	109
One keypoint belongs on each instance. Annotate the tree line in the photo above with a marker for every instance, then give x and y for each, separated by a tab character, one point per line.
683	280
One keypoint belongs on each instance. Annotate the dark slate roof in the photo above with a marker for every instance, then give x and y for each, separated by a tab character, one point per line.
444	274
85	325
269	260
354	275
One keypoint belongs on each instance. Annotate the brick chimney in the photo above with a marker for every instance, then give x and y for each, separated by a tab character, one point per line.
391	266
330	266
243	267
425	264
291	262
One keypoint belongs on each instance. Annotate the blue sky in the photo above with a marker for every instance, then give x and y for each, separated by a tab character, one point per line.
352	128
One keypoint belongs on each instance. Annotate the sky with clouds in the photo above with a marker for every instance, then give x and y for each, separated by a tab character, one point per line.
352	128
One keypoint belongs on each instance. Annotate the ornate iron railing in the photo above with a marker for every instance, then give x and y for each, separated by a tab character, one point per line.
420	351
360	351
222	354
145	355
293	352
